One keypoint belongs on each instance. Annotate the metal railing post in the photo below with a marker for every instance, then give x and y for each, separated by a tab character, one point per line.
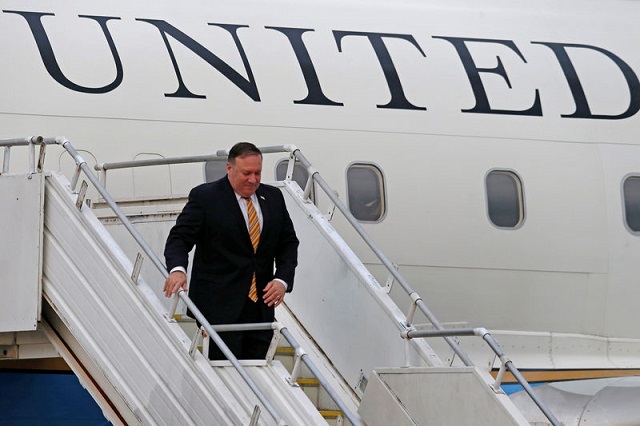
520	378
6	159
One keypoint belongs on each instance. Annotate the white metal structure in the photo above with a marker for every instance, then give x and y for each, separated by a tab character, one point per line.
115	334
141	368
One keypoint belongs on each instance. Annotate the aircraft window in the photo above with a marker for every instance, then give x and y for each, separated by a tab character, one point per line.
505	201
631	192
365	191
214	170
300	175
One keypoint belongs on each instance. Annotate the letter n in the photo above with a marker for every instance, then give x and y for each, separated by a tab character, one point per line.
247	85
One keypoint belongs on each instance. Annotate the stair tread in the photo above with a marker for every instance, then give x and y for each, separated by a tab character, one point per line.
331	413
308	381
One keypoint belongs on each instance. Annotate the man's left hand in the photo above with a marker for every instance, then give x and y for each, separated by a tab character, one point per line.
273	293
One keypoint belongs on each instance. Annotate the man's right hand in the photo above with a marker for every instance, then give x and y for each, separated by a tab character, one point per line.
175	281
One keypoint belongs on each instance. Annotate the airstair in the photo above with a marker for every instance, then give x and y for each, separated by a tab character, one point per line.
91	282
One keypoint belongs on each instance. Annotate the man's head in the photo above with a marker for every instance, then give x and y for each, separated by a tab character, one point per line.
244	168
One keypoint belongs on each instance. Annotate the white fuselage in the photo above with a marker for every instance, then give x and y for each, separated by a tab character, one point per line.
435	94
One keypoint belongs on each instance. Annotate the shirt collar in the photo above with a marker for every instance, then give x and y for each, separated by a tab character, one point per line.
254	198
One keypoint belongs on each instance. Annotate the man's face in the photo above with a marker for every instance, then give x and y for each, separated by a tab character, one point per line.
244	174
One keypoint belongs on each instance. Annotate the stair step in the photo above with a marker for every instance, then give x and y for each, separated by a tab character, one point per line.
308	381
331	414
285	350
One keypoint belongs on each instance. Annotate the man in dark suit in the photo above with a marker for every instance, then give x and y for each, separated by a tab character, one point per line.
233	278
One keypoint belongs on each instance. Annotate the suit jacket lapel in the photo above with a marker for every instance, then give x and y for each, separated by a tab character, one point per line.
234	207
266	212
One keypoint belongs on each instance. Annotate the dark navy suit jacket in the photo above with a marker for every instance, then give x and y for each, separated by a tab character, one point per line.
224	259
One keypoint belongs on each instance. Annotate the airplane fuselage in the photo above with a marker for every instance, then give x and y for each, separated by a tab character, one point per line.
437	97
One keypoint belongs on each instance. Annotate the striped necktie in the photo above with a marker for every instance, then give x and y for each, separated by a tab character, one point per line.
254	234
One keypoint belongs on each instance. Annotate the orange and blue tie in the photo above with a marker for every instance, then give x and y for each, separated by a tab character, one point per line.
254	234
